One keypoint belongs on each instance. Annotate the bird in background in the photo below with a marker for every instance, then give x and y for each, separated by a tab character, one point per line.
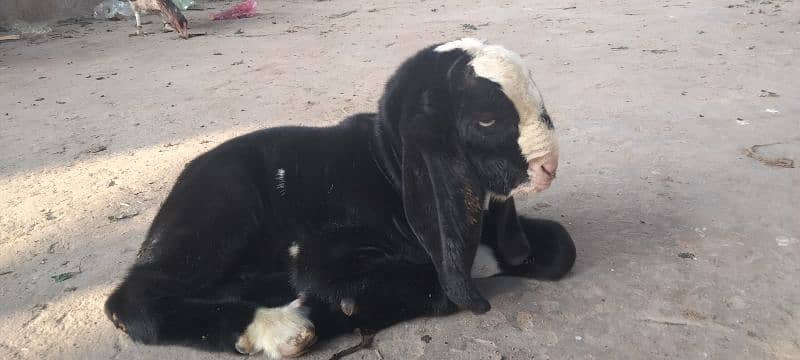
170	14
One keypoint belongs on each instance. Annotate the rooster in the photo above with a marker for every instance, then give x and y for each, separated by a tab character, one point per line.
170	14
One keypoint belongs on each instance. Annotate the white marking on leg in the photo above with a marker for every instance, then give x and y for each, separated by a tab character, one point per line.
294	250
280	179
279	332
485	264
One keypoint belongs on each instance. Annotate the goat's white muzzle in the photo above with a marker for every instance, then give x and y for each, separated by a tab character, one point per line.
541	173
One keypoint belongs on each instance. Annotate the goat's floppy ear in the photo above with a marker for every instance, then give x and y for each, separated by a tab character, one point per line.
442	198
503	226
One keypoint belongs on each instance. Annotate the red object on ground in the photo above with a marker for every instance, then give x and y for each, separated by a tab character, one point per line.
244	9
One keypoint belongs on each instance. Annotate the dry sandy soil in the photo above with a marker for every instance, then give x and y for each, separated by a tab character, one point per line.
687	247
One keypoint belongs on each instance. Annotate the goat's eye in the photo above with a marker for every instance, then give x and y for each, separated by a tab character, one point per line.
486	123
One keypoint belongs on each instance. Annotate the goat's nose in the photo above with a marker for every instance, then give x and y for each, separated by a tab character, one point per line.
546	165
550	166
543	170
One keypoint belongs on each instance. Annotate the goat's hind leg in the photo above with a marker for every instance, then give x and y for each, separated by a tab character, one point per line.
153	310
282	323
284	331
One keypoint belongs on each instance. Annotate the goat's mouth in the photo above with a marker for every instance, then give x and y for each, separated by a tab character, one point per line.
541	173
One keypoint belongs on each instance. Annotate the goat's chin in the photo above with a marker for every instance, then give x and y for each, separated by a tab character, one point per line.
541	173
527	187
532	186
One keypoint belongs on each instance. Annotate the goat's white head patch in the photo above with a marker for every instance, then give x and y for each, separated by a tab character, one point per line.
537	140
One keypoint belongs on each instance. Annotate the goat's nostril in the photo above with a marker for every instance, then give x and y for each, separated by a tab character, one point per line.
545	167
549	168
550	172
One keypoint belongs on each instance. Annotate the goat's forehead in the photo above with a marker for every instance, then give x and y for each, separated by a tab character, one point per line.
504	67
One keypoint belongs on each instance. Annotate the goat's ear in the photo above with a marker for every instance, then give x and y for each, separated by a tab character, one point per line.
442	198
504	226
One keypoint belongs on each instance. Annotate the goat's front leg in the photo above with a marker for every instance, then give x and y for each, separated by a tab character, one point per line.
535	248
376	297
360	280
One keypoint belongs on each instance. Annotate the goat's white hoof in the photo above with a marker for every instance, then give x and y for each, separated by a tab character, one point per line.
278	332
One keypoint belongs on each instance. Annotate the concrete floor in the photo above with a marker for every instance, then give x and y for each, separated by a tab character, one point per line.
687	248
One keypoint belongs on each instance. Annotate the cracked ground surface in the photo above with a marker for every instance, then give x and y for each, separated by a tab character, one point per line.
688	245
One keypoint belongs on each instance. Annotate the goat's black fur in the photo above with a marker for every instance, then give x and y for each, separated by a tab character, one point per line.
385	209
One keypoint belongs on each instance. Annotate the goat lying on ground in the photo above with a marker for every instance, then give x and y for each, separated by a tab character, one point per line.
285	235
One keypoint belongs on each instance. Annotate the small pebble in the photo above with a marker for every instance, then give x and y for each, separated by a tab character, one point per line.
785	240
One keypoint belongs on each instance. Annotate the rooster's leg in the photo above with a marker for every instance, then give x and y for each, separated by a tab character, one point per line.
138	18
167	27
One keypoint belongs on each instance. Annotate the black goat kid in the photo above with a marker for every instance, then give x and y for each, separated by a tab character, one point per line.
282	236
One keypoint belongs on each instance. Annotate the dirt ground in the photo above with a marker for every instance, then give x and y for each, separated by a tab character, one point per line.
688	248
